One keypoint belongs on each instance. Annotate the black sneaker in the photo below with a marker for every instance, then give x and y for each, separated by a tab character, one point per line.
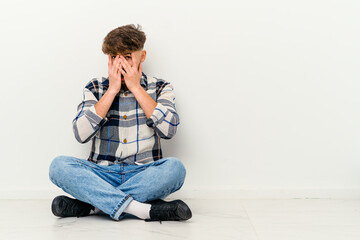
175	210
63	206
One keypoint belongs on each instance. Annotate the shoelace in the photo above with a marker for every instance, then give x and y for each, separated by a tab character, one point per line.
168	213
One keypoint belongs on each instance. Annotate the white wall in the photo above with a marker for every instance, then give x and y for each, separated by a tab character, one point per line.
267	91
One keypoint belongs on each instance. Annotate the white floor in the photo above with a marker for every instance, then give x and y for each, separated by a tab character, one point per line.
303	219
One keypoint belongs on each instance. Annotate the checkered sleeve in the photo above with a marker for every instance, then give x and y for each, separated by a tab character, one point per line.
165	119
87	122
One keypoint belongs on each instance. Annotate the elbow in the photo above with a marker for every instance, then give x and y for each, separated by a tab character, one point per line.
166	137
77	135
171	133
84	129
168	134
169	137
82	141
172	127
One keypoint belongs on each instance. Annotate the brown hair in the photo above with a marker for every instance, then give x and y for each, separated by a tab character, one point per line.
124	39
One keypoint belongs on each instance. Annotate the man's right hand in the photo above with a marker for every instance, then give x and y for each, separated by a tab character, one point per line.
114	74
103	105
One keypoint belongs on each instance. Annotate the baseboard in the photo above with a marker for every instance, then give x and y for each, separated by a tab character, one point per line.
269	193
218	192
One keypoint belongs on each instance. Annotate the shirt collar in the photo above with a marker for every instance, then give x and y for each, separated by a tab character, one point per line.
143	80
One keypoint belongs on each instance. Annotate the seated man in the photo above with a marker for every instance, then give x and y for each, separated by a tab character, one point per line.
124	115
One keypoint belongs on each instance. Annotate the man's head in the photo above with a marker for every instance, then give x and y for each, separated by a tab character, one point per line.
123	41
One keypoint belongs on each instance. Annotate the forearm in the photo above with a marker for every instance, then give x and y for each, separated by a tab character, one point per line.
103	105
164	118
145	100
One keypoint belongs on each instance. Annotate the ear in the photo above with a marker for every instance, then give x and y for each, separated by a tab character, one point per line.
143	56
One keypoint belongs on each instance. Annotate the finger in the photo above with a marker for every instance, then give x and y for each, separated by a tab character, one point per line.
109	64
122	71
114	66
125	64
118	74
112	63
136	61
119	66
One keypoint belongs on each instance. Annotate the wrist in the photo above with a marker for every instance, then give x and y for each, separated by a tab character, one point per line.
111	91
135	89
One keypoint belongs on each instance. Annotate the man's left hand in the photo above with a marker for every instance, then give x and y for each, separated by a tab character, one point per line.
132	74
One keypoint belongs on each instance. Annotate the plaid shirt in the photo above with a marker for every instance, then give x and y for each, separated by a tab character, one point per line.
125	134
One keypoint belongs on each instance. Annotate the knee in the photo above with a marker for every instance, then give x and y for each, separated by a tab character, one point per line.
57	166
170	178
176	168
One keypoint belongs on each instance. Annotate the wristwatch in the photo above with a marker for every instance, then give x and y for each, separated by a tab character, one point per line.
150	122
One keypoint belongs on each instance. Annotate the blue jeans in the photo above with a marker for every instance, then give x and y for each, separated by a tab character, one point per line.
111	188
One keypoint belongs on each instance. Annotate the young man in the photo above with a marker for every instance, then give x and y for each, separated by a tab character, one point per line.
124	116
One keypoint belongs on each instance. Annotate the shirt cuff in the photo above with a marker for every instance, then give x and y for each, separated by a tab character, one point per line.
93	117
157	116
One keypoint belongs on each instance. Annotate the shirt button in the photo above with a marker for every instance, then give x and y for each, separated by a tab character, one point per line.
125	116
125	141
125	94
